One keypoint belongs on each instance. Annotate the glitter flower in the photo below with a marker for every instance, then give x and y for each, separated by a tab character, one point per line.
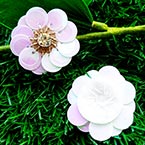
44	41
102	103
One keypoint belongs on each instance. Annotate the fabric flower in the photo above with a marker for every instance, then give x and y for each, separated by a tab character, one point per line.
44	41
102	103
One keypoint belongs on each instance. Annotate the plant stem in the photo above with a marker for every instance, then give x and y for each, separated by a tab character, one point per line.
100	26
107	32
4	47
112	31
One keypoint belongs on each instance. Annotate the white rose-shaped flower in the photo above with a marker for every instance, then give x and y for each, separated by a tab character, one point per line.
102	103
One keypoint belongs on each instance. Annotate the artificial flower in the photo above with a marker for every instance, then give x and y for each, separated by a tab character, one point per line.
44	42
102	103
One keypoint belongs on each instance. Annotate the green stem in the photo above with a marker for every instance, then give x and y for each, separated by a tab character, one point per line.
100	26
107	32
112	31
4	47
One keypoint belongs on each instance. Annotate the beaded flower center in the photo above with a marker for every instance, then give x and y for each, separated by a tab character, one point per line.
44	40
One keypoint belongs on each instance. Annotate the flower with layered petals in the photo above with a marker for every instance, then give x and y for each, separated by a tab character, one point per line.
102	103
44	41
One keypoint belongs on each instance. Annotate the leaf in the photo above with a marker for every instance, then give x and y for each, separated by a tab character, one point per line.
77	10
88	2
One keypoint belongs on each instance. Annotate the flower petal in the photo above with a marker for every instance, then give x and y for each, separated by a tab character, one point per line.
124	119
68	34
22	21
18	43
131	106
57	19
57	59
71	97
22	29
91	99
36	17
127	92
47	65
116	131
100	132
109	70
69	49
84	128
74	116
39	71
93	74
112	73
78	83
29	58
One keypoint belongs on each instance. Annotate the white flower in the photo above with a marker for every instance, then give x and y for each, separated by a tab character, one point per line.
44	41
102	103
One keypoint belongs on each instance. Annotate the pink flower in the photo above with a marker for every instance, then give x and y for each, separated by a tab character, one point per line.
44	41
102	103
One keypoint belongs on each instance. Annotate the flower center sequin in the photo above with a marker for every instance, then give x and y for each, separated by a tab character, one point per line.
44	40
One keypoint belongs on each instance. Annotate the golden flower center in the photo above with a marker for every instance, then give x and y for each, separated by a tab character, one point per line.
44	40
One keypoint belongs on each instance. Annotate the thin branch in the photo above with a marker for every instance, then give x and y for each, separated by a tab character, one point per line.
107	32
4	47
112	31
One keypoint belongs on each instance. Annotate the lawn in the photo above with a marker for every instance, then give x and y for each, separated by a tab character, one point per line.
33	108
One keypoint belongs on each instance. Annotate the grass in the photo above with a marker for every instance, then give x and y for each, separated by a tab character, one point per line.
33	108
